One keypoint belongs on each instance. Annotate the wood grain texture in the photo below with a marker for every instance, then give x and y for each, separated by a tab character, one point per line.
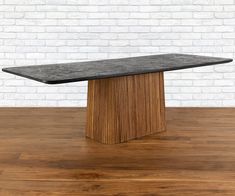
43	151
125	108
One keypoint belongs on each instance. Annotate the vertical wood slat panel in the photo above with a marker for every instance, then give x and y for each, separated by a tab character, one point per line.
124	108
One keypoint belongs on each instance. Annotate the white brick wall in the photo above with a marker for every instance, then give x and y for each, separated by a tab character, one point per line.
55	31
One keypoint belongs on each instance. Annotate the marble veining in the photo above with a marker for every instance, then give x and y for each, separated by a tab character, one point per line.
81	71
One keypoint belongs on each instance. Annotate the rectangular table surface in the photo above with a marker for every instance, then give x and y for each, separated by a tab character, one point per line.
81	71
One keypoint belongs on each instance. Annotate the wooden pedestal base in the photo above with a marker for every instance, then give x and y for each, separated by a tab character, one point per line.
124	108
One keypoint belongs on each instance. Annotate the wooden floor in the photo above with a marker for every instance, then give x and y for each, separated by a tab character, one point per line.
44	152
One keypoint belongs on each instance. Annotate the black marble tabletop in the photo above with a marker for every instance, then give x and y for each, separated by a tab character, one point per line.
73	72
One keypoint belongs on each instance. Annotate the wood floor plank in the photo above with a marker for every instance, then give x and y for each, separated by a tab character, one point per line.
43	151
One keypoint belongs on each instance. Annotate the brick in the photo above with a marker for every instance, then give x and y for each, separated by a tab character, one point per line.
34	15
50	31
224	2
203	15
55	15
182	15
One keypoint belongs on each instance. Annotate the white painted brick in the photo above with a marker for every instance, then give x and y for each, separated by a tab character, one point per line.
223	82
214	8
160	15
68	103
149	8
98	15
191	22
44	103
23	8
7	35
140	42
89	49
73	56
72	42
45	36
119	43
212	75
215	49
172	75
203	15
98	29
169	49
13	96
6	8
6	49
25	49
139	15
182	96
22	62
139	29
212	22
224	2
190	36
211	36
34	15
203	82
25	89
47	7
170	22
55	96
190	89
138	2
50	31
160	42
35	55
82	96
225	15
149	49
229	8
224	69
128	36
13	15
173	103
160	2
161	29
182	15
181	29
224	29
208	89
170	90
14	55
7	22
25	22
55	15
96	42
13	29
203	2
229	35
182	82
191	8
204	69
182	2
203	29
97	56
229	103
77	15
77	3
7	89
34	29
182	42
47	22
35	96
